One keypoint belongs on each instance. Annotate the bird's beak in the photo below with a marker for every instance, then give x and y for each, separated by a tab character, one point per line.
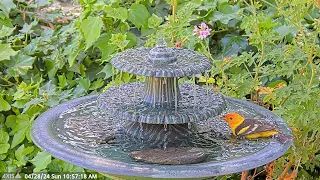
223	117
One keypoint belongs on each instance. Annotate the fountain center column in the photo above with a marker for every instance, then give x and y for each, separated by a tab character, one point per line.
162	92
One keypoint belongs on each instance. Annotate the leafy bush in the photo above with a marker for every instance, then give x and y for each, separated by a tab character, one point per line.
267	51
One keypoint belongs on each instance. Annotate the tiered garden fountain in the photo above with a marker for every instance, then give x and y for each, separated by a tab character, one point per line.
156	129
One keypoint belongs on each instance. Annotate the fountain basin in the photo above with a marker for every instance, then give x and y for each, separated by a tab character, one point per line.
73	131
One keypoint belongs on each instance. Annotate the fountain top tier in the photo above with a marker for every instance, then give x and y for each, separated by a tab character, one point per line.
161	101
161	61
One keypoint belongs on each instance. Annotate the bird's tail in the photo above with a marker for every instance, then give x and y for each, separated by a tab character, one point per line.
283	138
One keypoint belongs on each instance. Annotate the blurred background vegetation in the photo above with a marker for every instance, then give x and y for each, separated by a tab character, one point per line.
265	51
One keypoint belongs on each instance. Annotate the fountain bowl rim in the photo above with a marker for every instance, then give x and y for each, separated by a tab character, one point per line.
46	141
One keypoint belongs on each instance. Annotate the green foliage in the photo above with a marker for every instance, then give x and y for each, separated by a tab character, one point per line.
91	28
6	51
4	145
138	15
6	6
41	161
267	51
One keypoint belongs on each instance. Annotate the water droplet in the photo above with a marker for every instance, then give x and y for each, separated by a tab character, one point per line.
165	145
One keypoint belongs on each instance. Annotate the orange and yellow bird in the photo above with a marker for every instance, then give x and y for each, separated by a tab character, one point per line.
249	128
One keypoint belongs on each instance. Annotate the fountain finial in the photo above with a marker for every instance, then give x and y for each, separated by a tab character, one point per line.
161	54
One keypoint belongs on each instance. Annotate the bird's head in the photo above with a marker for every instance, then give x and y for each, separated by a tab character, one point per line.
233	118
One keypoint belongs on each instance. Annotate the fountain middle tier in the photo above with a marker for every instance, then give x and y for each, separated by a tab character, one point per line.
128	102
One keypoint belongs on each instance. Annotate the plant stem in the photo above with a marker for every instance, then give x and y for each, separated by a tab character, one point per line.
5	85
260	62
287	168
224	30
248	70
312	76
285	99
244	175
26	40
7	81
174	7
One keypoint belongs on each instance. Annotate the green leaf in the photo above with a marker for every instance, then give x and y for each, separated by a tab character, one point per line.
31	103
6	31
285	30
41	161
6	6
11	121
19	65
85	83
106	48
226	13
58	165
4	145
93	70
18	137
4	105
27	28
107	70
97	84
123	27
120	40
73	50
52	68
91	28
277	82
21	153
223	18
5	21
6	51
3	166
227	9
138	15
117	13
20	129
62	81
19	103
154	21
132	40
232	44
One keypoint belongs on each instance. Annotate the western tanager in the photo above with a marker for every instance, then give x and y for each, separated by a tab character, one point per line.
249	128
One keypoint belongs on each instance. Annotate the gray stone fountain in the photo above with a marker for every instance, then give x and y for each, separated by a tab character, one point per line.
157	129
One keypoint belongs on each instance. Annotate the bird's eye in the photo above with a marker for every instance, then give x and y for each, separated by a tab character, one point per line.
230	118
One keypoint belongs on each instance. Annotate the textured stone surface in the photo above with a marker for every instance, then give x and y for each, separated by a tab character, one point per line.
170	156
136	61
161	54
196	104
